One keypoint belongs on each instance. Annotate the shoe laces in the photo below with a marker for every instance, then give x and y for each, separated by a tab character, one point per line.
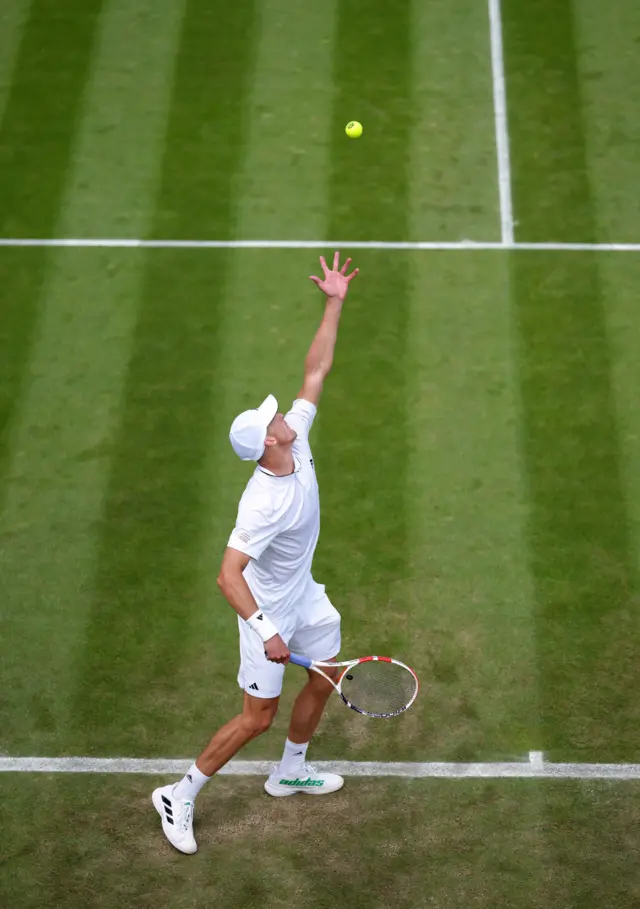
184	817
310	769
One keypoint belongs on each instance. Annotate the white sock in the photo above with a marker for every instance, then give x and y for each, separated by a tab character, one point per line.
293	757
190	784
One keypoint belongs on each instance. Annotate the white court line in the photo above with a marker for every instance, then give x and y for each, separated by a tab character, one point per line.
502	129
130	243
535	768
536	759
580	247
243	244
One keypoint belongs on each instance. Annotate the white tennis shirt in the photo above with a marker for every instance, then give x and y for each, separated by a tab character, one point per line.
278	525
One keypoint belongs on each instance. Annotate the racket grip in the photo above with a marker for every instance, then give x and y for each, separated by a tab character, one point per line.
300	660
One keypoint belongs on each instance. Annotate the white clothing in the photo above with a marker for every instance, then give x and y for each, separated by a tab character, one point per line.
278	526
313	631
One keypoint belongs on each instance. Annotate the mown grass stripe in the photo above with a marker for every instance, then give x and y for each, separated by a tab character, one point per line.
36	139
136	664
580	548
551	193
608	63
454	189
118	158
623	327
40	119
61	443
282	184
360	453
13	18
208	129
469	585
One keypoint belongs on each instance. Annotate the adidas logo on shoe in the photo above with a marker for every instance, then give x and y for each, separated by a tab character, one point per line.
312	783
297	782
168	809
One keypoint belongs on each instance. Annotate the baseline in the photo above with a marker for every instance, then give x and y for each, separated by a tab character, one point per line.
535	767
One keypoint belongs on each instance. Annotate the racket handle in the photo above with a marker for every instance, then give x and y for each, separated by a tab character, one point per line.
300	660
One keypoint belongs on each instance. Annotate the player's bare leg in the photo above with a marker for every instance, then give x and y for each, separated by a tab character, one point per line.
294	774
309	705
175	802
256	717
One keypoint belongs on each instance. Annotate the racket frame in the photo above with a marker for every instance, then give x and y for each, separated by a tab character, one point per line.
307	663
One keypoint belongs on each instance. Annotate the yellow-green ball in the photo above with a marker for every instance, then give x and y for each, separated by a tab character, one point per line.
354	129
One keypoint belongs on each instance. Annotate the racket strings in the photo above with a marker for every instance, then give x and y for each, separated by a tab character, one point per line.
379	688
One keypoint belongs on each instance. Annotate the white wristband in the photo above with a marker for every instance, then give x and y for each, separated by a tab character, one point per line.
262	625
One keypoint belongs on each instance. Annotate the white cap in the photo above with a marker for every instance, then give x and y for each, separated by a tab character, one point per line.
249	430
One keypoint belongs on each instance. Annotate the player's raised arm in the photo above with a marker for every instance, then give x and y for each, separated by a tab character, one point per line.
317	366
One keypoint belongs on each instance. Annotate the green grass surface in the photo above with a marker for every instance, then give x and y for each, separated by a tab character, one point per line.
476	445
480	844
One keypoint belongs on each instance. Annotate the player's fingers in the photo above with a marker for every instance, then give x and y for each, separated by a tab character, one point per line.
353	274
344	268
315	280
324	266
336	261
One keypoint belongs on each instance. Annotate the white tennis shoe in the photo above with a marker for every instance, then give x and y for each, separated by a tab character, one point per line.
177	818
308	780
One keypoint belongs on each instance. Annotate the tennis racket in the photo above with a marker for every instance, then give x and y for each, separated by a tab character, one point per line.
373	685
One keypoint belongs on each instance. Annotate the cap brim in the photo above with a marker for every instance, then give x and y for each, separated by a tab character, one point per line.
268	409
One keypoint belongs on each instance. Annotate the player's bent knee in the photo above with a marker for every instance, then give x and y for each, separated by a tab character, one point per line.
258	714
262	723
256	725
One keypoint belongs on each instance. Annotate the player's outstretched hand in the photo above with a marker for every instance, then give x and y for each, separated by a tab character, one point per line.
336	281
276	650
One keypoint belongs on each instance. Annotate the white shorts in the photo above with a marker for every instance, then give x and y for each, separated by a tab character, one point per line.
313	631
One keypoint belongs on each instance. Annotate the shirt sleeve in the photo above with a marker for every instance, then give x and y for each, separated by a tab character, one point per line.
301	417
255	529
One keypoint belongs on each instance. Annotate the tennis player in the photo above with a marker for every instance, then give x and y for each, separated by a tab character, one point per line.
266	577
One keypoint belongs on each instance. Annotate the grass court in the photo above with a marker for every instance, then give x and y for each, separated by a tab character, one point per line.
477	443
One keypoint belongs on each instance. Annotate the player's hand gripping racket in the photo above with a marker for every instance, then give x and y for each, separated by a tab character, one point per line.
374	685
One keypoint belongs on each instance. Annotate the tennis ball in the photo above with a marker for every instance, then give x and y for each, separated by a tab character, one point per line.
354	129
